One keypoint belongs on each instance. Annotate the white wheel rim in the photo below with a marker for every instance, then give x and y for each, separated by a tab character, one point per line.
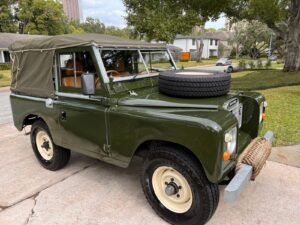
44	145
179	202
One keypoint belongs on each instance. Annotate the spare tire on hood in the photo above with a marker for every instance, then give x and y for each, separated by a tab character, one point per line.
194	83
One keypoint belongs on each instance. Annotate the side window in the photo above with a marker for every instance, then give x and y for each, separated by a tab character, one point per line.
71	67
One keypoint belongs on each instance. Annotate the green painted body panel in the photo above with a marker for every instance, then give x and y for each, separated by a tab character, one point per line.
112	126
127	122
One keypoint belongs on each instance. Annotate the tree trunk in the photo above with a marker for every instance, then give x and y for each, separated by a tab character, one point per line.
199	49
237	53
292	62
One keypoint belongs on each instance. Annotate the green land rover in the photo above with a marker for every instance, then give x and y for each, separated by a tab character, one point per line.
113	99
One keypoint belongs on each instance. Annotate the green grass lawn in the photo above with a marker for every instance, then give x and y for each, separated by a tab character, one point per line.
263	79
4	78
194	63
283	112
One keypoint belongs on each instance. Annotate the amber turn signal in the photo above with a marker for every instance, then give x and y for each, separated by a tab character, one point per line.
264	116
226	156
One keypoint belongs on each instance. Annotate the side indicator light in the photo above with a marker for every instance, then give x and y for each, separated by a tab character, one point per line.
226	156
264	116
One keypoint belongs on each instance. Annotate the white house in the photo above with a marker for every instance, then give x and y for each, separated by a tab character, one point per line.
188	44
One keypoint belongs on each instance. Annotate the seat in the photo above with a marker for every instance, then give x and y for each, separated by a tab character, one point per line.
69	81
70	68
121	68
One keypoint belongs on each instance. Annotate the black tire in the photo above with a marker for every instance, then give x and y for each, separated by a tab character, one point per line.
211	84
229	69
205	195
59	156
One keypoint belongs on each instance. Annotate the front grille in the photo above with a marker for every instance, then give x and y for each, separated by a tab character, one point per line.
236	108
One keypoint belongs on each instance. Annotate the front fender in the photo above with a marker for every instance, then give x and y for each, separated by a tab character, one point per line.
200	131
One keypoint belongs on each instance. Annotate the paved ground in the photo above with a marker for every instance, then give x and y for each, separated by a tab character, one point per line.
5	111
214	67
89	192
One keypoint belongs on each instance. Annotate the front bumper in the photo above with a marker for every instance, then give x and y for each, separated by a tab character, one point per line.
241	178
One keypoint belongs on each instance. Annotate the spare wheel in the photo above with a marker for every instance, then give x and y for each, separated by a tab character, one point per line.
194	83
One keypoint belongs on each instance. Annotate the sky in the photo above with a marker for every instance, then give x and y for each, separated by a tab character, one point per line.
112	13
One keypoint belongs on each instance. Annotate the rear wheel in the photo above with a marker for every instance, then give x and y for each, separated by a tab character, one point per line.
49	155
177	188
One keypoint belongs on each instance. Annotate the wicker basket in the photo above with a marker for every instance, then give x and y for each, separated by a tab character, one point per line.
255	155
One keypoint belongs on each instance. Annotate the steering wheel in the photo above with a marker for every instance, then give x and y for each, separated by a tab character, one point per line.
110	72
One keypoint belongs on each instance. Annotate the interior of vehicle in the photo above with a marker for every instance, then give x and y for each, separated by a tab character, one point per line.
73	65
120	63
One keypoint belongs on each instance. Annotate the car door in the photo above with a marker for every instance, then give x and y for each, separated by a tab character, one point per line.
82	118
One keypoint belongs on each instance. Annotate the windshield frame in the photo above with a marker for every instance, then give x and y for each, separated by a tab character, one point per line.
133	76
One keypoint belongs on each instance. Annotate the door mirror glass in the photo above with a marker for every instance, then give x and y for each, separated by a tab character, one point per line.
88	84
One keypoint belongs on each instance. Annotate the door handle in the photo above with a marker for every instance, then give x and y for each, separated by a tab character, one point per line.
63	115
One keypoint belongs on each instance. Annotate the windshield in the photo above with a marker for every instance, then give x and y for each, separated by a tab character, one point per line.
127	63
157	60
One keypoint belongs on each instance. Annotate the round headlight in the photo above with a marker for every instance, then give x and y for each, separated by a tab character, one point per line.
261	110
230	140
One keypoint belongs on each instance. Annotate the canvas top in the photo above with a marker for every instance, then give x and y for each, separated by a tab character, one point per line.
71	40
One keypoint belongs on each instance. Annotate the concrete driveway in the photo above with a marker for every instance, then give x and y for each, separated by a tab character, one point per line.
89	192
5	111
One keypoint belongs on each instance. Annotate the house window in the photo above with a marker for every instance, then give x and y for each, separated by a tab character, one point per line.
193	41
211	41
71	67
216	42
6	56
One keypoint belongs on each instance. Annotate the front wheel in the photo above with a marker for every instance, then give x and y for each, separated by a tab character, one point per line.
176	187
49	155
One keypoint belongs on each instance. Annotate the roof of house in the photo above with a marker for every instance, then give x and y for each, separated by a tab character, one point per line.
218	35
88	39
174	48
6	39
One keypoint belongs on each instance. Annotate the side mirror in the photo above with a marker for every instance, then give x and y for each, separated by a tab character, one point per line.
88	84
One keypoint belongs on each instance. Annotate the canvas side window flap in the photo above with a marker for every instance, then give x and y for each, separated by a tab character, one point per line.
72	66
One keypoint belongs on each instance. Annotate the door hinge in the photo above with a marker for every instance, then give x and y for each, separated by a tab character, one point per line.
106	149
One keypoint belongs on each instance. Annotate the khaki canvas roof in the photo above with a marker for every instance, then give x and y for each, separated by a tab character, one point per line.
70	40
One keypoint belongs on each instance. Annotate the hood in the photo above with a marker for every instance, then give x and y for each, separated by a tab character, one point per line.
152	98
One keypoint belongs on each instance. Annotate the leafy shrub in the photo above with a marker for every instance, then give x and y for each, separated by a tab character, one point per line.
251	65
184	60
259	64
268	64
213	57
5	66
1	76
242	65
280	61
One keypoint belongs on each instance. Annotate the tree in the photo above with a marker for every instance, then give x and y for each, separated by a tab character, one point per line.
7	23
211	29
73	27
93	25
115	31
283	17
250	37
160	20
163	19
41	17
